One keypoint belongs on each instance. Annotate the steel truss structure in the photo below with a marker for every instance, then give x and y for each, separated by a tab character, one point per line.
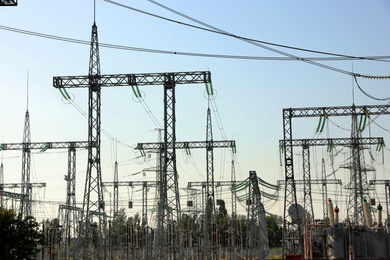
26	148
293	230
330	143
209	145
145	186
169	206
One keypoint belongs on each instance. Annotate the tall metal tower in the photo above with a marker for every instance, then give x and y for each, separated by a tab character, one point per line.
233	191
293	230
116	190
1	181
25	204
71	217
324	190
93	201
1	172
257	228
210	200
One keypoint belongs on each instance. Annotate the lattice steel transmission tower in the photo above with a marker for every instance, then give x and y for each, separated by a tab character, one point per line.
25	203
1	172
188	145
293	229
210	200
257	236
330	143
116	190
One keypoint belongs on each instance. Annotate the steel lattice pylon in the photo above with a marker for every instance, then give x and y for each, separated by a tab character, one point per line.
65	213
209	144
330	143
25	204
292	235
257	235
93	194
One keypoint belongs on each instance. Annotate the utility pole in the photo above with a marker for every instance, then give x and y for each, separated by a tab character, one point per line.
292	230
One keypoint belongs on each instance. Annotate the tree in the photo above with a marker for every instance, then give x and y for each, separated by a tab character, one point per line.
275	230
19	237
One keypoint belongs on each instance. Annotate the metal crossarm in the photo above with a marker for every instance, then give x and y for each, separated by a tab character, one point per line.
42	145
186	145
17	185
131	183
337	111
335	141
142	79
312	182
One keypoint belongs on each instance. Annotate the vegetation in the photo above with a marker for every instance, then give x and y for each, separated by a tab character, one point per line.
19	237
275	231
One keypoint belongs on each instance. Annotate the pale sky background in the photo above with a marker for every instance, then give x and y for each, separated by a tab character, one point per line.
250	93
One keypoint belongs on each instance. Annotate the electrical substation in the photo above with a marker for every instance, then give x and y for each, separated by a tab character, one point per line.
196	221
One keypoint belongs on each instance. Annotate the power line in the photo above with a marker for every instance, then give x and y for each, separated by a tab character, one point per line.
382	58
248	40
219	31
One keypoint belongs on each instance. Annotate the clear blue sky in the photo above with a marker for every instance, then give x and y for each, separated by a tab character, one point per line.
250	93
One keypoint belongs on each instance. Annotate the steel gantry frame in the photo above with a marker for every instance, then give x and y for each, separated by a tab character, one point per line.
144	184
330	143
387	192
292	230
93	194
18	185
26	147
209	144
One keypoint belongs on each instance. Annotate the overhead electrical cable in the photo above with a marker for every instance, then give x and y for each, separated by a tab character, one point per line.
250	41
368	95
221	32
205	55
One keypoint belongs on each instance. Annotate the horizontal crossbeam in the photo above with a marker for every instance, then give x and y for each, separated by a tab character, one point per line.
18	185
216	183
131	183
315	181
336	141
336	111
187	145
12	195
143	79
379	182
43	145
